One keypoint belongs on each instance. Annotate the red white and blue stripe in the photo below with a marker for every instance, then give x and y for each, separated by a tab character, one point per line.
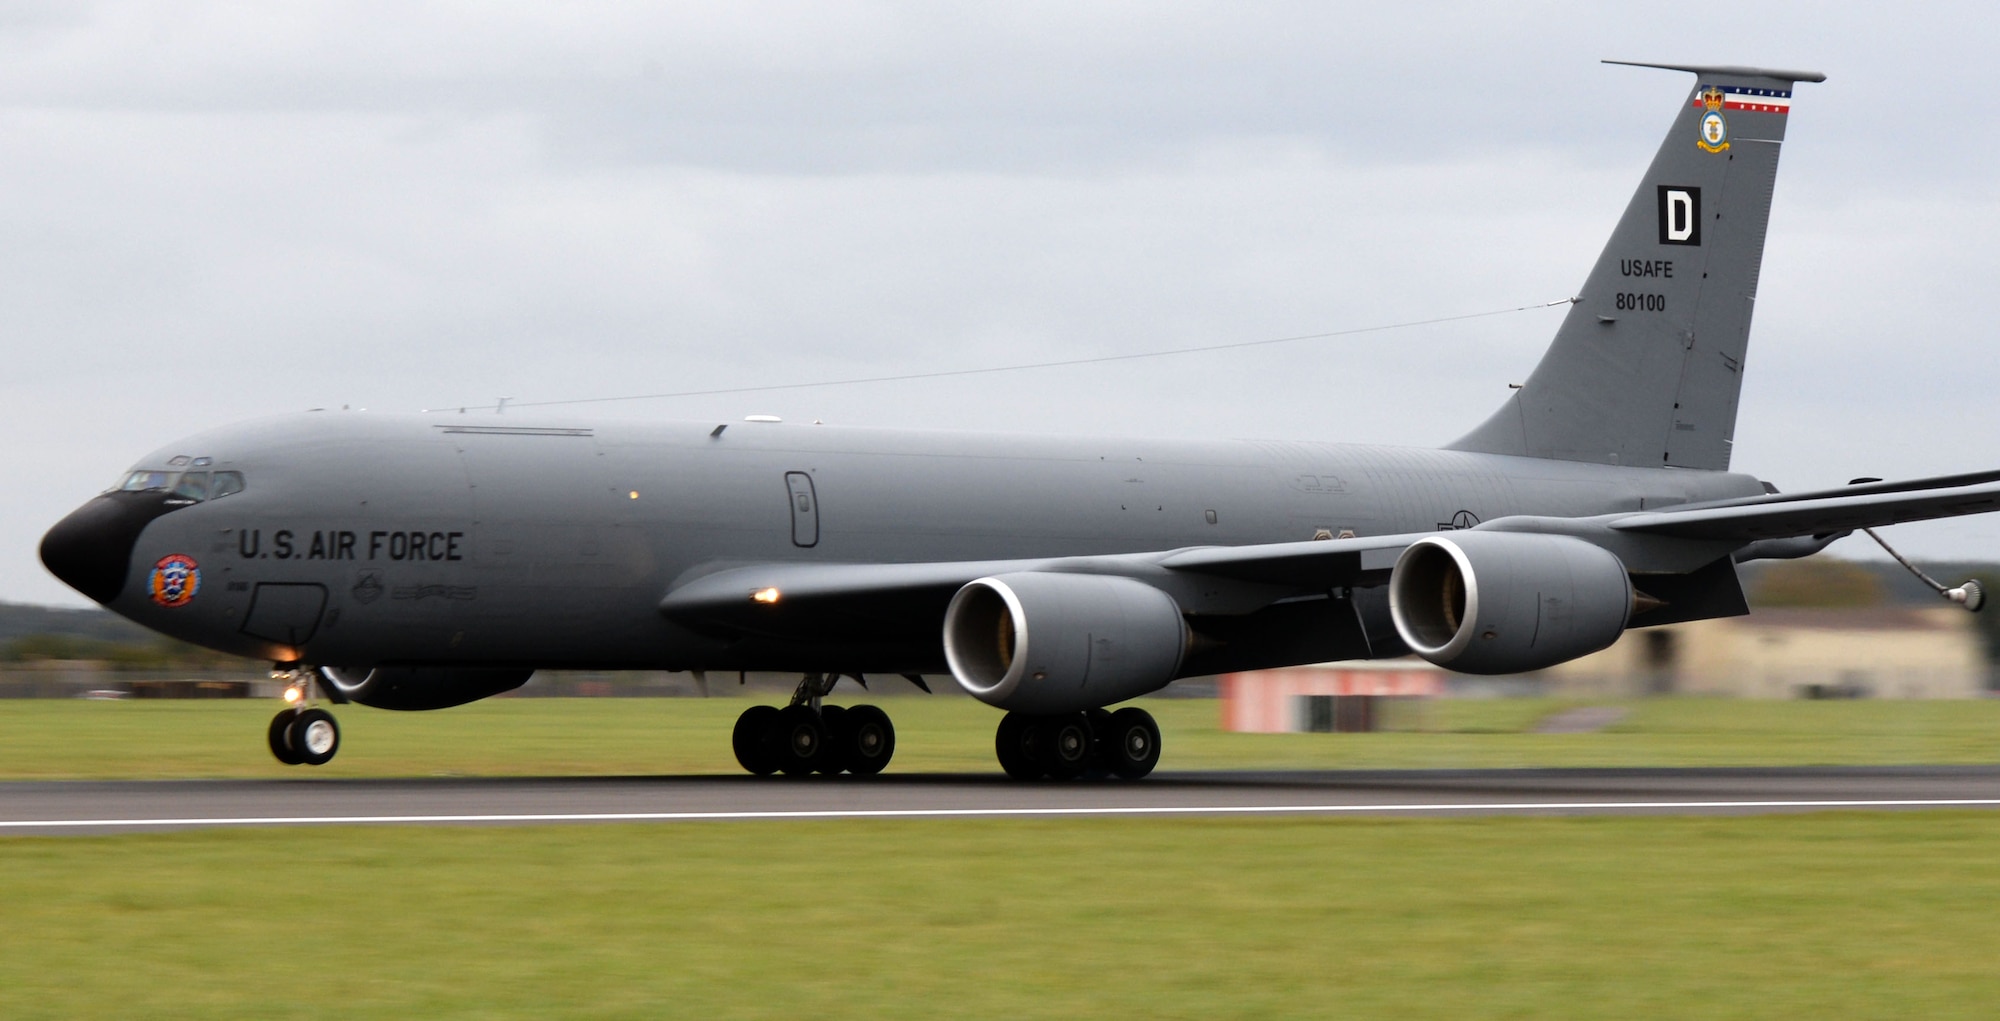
1745	97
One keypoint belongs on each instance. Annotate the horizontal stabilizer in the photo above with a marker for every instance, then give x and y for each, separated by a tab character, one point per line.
1731	70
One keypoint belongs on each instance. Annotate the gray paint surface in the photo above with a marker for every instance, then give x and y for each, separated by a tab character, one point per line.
1648	364
560	564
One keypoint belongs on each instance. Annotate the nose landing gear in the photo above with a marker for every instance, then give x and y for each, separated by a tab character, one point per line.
302	734
808	737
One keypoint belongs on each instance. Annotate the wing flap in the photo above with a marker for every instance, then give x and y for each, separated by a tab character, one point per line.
1316	564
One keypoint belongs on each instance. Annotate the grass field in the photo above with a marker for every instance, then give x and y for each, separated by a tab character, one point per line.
1849	915
50	739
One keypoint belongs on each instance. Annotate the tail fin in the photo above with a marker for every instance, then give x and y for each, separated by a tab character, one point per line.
1648	364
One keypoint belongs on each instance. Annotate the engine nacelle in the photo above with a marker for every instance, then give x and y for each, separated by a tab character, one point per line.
1057	643
418	687
1507	602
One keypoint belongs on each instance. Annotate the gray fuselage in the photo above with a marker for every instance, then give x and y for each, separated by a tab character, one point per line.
369	539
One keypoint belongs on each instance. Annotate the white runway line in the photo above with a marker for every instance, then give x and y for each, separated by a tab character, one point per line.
961	813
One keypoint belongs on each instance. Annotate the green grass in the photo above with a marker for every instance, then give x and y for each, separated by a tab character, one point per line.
1851	915
1834	915
48	739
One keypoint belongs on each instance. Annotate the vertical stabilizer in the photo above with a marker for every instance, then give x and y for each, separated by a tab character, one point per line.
1647	366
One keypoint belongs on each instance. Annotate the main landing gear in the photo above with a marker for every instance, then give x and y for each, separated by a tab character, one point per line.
302	734
1125	744
808	737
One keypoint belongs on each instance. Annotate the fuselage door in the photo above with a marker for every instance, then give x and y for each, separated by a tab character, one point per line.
285	612
805	509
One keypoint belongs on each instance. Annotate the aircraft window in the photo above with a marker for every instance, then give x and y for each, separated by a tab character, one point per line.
225	484
193	486
141	481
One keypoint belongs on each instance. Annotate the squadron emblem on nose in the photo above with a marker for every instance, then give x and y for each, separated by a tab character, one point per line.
175	580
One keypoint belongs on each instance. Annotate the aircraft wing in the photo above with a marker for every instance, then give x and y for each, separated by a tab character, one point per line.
882	599
1826	512
799	599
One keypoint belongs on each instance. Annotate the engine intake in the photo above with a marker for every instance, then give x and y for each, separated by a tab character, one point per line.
1507	602
1056	643
418	687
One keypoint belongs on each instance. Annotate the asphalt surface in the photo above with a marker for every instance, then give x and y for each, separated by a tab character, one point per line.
83	807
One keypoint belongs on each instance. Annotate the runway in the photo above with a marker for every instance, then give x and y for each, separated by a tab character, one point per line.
86	807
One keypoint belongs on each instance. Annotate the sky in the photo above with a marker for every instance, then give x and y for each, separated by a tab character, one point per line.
217	211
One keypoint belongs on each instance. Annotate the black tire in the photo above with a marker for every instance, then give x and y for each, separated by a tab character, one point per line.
797	740
1010	745
280	737
314	737
1062	745
1131	743
868	740
832	759
1100	755
751	739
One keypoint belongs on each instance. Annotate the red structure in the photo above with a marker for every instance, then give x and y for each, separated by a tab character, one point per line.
1331	697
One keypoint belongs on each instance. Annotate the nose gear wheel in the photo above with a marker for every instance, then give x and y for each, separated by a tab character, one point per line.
302	734
280	737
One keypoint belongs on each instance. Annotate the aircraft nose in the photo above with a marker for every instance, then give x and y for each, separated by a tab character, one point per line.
91	549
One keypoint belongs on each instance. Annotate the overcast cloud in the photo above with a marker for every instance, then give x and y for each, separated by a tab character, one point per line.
218	211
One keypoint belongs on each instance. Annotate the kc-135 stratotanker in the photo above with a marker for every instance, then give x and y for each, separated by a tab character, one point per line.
425	561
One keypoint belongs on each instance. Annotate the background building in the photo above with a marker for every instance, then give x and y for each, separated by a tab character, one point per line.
1793	652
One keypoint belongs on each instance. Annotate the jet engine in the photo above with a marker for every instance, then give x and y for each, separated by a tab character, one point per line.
1057	643
417	687
1507	602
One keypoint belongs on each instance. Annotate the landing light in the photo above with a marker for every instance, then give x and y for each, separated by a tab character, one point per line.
293	694
633	494
767	596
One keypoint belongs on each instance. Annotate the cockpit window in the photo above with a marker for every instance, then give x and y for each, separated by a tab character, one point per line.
141	481
192	486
